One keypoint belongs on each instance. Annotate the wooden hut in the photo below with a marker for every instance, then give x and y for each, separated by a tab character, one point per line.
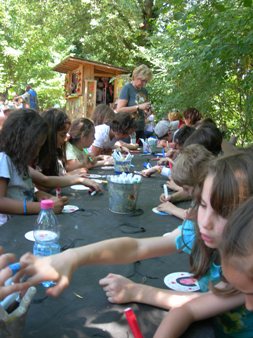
88	83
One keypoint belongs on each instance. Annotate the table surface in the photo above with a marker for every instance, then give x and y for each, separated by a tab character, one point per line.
82	310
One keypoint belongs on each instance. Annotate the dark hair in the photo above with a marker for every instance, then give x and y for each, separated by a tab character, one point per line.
123	123
80	127
193	114
48	157
232	185
19	137
102	114
182	134
209	136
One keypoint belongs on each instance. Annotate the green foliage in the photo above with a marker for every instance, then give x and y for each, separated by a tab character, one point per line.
199	50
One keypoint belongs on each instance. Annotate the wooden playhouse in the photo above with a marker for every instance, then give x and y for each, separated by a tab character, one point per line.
88	83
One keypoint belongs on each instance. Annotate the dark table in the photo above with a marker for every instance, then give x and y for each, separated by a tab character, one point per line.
82	310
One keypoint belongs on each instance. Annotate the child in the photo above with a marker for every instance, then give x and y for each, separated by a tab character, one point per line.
52	156
81	136
21	138
82	133
107	135
236	251
227	184
189	170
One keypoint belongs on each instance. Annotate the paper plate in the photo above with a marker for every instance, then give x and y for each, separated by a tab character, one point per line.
69	208
162	213
29	236
181	281
92	176
79	187
107	168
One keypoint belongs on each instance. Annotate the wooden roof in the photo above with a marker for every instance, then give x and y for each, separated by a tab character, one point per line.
100	69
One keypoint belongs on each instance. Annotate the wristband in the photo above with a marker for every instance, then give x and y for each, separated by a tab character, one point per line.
25	207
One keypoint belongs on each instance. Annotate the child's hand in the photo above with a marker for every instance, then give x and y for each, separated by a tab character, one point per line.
6	273
91	184
166	207
148	172
59	203
58	268
173	186
164	199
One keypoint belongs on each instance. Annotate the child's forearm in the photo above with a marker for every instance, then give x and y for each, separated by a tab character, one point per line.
174	324
15	207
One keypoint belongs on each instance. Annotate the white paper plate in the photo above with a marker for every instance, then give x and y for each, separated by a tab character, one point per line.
107	168
69	208
181	281
79	187
162	213
29	236
92	176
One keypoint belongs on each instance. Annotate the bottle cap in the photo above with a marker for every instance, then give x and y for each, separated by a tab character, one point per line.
47	204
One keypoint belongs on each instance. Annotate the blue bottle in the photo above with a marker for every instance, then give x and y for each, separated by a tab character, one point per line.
46	233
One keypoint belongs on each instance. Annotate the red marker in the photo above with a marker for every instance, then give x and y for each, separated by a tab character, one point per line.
58	192
132	322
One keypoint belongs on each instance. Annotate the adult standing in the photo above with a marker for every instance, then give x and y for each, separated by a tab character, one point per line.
133	97
30	96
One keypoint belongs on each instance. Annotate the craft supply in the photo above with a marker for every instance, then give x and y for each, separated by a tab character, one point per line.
79	187
162	213
132	322
87	153
165	190
58	192
69	209
10	299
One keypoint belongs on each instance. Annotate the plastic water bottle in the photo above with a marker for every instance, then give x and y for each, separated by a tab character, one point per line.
133	138
46	233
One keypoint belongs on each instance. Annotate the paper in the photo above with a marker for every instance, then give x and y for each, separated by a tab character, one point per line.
79	187
181	281
69	208
162	213
29	236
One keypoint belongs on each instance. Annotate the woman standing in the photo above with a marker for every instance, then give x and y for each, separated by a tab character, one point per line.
134	97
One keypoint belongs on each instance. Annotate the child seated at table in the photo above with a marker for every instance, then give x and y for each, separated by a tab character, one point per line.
227	185
108	136
81	137
188	171
52	155
21	138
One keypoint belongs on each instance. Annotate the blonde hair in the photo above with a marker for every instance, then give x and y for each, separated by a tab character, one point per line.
142	71
174	116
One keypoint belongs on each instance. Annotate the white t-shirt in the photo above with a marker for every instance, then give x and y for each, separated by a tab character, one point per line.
19	188
150	123
102	138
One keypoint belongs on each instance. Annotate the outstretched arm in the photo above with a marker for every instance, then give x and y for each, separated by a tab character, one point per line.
124	250
208	305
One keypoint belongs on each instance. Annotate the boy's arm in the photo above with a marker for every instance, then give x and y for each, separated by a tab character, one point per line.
208	305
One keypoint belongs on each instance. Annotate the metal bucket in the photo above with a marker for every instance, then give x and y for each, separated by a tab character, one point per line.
123	197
